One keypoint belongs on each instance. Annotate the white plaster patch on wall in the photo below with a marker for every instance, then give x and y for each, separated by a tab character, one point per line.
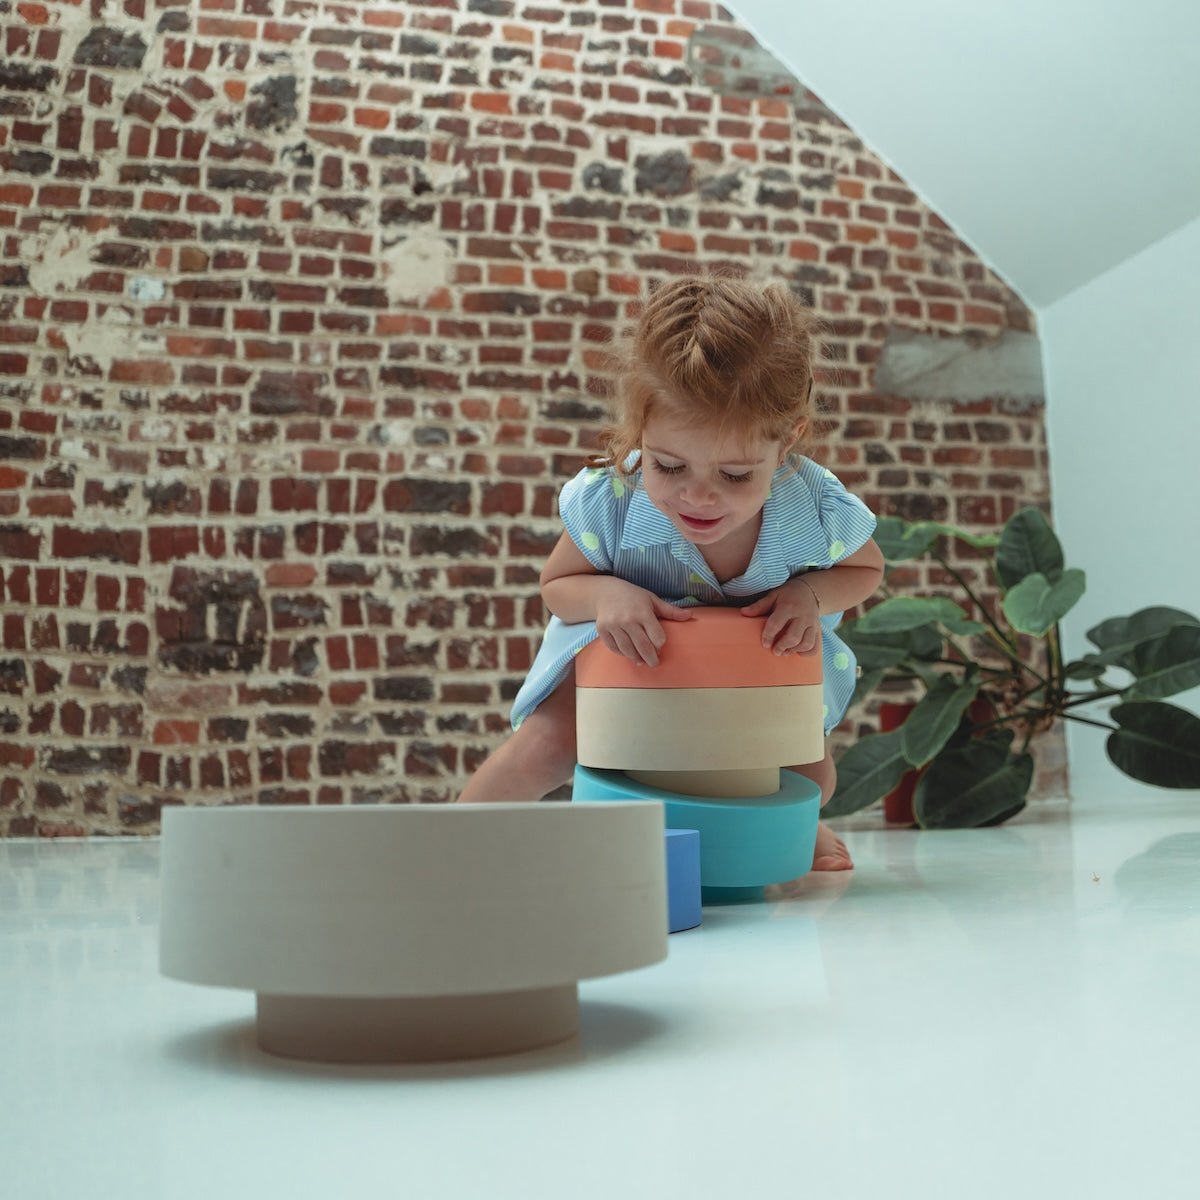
452	355
76	449
76	22
265	459
266	462
145	289
924	367
444	176
59	261
211	458
391	433
414	268
102	341
156	429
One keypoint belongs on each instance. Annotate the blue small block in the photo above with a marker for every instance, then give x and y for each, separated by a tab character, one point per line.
683	879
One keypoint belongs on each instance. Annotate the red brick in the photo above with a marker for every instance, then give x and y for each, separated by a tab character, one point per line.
290	574
176	732
146	370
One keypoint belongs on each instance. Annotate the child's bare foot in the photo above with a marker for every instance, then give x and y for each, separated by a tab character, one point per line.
830	853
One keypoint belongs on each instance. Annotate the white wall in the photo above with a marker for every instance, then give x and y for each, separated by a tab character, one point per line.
1123	384
1057	137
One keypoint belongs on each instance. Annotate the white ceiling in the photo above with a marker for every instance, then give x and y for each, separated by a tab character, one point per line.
1057	137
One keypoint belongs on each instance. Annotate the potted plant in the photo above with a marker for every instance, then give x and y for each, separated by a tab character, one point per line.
990	674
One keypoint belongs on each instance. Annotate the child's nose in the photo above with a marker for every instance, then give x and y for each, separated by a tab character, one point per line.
699	491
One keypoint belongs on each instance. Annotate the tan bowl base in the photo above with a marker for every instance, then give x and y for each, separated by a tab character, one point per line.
715	785
423	1029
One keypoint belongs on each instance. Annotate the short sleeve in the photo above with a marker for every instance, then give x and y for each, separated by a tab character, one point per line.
592	507
846	521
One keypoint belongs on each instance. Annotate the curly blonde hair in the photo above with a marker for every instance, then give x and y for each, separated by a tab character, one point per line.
719	352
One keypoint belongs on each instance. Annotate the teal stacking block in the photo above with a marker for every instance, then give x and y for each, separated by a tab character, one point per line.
745	843
683	879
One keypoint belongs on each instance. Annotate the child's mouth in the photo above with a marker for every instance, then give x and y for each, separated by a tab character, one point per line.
699	523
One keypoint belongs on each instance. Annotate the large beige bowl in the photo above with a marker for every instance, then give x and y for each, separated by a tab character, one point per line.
412	932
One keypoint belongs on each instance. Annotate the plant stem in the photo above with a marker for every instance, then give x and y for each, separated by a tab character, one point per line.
1010	650
1002	641
1088	721
1104	694
958	662
1054	641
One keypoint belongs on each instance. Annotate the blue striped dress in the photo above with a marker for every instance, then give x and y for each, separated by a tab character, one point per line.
809	522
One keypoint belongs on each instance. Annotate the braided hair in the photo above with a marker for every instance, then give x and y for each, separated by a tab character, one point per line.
717	352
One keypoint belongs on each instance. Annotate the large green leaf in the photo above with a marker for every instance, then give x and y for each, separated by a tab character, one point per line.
1037	604
976	783
866	683
1027	546
1156	743
899	540
1169	664
927	642
1118	636
936	717
867	771
876	651
902	613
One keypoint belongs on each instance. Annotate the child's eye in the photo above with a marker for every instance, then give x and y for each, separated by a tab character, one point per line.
667	469
743	478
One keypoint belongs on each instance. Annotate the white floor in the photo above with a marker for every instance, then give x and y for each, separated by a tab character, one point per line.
996	1013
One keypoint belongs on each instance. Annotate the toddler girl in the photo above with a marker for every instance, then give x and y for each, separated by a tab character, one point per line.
701	497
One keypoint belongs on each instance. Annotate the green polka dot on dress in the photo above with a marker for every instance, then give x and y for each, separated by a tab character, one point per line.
841	660
591	541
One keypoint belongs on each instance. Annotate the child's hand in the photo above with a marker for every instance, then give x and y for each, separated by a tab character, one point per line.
628	622
793	624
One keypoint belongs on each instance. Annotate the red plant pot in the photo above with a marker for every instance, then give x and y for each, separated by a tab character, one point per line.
898	803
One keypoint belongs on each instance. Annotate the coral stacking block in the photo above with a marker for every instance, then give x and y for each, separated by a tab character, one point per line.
412	932
706	733
718	700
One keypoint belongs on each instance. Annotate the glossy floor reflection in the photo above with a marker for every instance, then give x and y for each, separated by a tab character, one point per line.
1000	1013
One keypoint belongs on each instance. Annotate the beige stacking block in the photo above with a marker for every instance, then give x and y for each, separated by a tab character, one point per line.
718	716
410	933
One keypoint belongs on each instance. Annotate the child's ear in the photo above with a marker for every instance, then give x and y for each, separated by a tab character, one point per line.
796	434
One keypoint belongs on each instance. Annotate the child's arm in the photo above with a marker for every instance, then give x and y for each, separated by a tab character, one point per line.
627	617
793	609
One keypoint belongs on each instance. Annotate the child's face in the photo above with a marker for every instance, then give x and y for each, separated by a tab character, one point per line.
710	486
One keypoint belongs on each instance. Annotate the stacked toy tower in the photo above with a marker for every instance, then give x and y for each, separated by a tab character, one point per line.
706	733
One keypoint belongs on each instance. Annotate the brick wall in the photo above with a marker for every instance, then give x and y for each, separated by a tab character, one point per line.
301	322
